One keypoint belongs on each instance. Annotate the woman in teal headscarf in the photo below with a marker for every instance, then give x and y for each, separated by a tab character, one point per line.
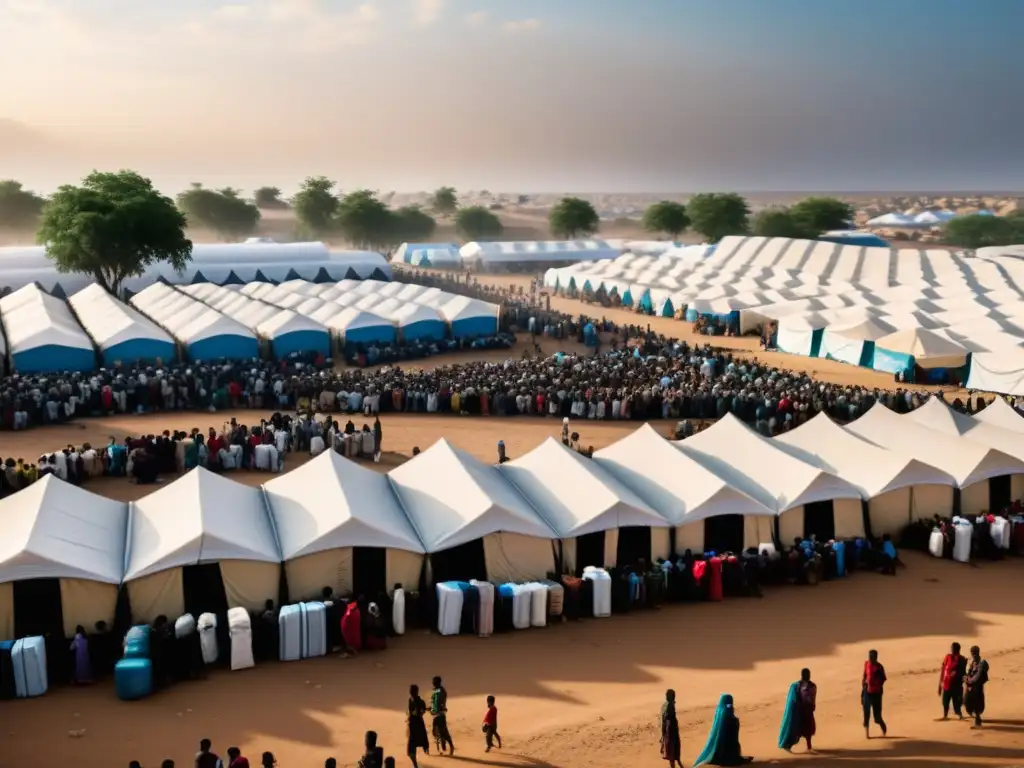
798	719
723	747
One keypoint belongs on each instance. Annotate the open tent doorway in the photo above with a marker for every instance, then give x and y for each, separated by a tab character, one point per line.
37	608
1000	496
203	589
369	571
724	533
820	520
461	563
590	550
634	545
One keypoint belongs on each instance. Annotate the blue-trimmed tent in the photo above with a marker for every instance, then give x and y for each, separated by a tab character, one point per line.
120	332
43	335
470	318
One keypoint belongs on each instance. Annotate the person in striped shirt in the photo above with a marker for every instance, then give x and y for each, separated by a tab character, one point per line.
439	713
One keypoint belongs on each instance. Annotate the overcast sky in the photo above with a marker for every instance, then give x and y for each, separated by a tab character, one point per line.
519	95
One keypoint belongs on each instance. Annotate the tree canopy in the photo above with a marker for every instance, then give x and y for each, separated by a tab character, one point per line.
818	215
478	223
411	224
445	201
18	206
572	217
364	220
979	231
718	214
113	227
667	217
223	210
316	204
268	198
779	222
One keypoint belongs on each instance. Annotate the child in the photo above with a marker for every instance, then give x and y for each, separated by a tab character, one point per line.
490	727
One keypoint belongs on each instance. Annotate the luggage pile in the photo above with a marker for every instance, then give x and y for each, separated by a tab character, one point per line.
23	668
481	608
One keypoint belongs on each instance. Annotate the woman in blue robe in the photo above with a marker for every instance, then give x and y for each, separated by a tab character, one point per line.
798	719
789	733
723	746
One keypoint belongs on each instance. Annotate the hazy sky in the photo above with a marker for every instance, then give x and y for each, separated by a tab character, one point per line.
519	95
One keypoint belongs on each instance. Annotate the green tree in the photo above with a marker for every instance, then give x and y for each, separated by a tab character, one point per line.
978	231
477	223
444	201
113	227
818	215
780	222
572	217
316	204
268	198
411	225
718	214
668	217
364	220
18	206
223	210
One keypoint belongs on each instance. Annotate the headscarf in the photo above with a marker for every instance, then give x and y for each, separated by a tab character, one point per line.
714	737
789	732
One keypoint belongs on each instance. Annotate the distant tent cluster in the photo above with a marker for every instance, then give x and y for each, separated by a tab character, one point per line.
485	255
205	543
915	220
935	314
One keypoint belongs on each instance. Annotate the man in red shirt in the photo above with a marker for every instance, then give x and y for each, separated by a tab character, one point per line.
951	682
490	726
872	684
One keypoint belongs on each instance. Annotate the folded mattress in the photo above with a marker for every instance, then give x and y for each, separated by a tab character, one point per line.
521	606
289	626
602	584
964	534
314	630
556	597
449	607
936	543
240	630
136	642
538	604
1000	531
133	679
28	657
207	626
184	625
8	689
398	611
504	603
485	614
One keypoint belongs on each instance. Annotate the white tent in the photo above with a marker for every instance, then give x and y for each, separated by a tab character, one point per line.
846	341
325	509
55	530
43	335
578	497
1001	372
927	348
762	470
538	251
899	488
454	499
970	464
197	519
680	489
799	335
1000	413
121	332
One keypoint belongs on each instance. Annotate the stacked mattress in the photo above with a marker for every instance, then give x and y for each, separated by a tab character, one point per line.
602	585
963	536
240	629
450	598
207	627
485	615
28	667
302	631
133	674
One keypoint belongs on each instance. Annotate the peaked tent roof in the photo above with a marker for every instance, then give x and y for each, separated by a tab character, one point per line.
200	517
936	415
575	494
761	469
53	529
967	461
1000	413
453	498
922	344
331	502
873	469
680	489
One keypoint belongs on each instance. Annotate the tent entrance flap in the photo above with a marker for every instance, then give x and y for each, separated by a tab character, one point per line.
634	545
38	609
590	550
1000	495
203	587
724	533
819	520
369	571
462	563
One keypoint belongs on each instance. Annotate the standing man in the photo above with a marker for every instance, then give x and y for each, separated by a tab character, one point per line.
951	682
977	676
439	712
872	684
206	757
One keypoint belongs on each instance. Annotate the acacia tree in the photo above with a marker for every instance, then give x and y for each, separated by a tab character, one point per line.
718	214
364	220
668	217
268	198
113	226
980	231
411	224
444	201
780	222
477	223
572	217
18	206
817	215
224	210
316	204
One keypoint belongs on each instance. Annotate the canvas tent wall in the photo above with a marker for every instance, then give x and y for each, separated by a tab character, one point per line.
61	559
205	333
970	464
120	332
341	526
43	335
682	491
1001	372
762	470
471	521
594	514
437	255
418	323
470	318
798	336
902	350
203	543
899	489
356	326
853	341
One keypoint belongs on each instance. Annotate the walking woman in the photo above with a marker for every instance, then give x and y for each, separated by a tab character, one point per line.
671	745
798	720
416	729
723	745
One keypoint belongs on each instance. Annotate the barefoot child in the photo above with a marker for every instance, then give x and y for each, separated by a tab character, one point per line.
490	727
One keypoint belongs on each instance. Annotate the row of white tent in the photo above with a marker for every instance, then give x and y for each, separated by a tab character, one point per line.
726	487
451	256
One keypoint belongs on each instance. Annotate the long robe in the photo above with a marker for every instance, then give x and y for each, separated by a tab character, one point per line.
671	744
723	745
789	732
